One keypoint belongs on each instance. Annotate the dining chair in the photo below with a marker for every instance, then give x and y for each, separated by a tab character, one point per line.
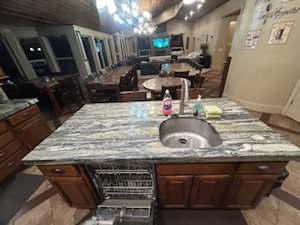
193	93
182	74
172	91
124	84
132	96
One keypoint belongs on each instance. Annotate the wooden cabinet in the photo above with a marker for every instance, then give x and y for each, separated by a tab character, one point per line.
208	191
175	191
72	184
32	131
74	190
247	190
19	134
215	185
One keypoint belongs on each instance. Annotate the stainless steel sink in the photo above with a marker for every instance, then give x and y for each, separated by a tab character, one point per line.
188	132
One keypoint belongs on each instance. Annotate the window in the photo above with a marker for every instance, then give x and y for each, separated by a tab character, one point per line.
35	55
100	48
63	53
116	45
88	52
61	46
111	51
187	42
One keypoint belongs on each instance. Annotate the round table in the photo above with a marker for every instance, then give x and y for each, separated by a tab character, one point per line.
156	84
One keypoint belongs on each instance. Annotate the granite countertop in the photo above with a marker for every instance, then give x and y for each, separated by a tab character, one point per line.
130	131
15	105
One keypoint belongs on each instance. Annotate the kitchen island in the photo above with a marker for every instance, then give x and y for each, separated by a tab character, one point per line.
235	174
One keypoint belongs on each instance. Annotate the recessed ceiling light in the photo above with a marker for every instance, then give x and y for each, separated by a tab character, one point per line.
192	13
186	18
199	6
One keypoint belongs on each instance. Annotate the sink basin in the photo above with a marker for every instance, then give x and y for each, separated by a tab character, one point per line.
188	132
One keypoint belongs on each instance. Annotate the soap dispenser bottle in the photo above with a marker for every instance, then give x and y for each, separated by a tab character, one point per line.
198	107
167	104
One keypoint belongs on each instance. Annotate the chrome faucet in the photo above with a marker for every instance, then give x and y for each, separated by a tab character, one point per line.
184	95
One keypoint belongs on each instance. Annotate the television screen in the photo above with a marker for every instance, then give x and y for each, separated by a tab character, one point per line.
161	42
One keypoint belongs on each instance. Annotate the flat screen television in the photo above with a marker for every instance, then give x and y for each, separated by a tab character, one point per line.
161	42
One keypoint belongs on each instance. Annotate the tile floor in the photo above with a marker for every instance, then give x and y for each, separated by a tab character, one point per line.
271	211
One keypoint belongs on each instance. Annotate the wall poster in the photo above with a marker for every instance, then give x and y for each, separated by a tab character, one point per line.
252	38
280	32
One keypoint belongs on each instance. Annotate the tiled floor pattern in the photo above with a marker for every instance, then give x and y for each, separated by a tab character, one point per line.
271	211
53	211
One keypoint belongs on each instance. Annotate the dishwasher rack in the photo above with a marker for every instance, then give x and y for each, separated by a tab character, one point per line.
127	192
124	182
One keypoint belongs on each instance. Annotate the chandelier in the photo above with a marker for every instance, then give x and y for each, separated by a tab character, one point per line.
126	13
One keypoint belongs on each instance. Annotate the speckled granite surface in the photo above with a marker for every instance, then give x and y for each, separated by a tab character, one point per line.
130	131
15	106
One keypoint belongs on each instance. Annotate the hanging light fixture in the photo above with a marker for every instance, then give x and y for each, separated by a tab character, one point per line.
126	13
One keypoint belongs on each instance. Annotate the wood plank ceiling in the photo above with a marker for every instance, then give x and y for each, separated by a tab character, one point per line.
79	12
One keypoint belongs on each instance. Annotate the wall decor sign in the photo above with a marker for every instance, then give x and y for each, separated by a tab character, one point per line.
280	32
252	38
265	10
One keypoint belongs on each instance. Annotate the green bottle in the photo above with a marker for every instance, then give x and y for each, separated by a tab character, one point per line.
198	108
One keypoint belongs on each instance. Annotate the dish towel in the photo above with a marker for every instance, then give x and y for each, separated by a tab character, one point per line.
212	111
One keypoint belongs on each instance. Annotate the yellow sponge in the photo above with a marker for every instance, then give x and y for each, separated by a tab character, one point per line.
213	110
212	115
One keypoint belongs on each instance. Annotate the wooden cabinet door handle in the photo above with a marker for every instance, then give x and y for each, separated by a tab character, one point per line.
25	113
263	167
2	154
58	171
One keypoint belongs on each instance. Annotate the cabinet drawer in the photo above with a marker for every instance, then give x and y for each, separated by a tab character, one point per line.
11	164
262	168
9	149
6	138
2	127
23	115
60	171
195	168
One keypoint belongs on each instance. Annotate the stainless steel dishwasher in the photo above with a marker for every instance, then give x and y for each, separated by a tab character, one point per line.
127	192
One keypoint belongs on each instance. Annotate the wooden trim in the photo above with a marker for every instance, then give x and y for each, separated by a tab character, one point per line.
29	205
288	198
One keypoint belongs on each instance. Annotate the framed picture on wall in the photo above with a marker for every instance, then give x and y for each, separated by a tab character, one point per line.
252	38
280	32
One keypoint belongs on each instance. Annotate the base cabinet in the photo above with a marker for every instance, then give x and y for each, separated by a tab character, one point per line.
72	184
33	131
247	190
175	191
74	190
241	186
208	191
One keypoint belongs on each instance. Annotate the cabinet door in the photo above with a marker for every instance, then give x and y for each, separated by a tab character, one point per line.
33	131
247	190
75	191
209	191
174	191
